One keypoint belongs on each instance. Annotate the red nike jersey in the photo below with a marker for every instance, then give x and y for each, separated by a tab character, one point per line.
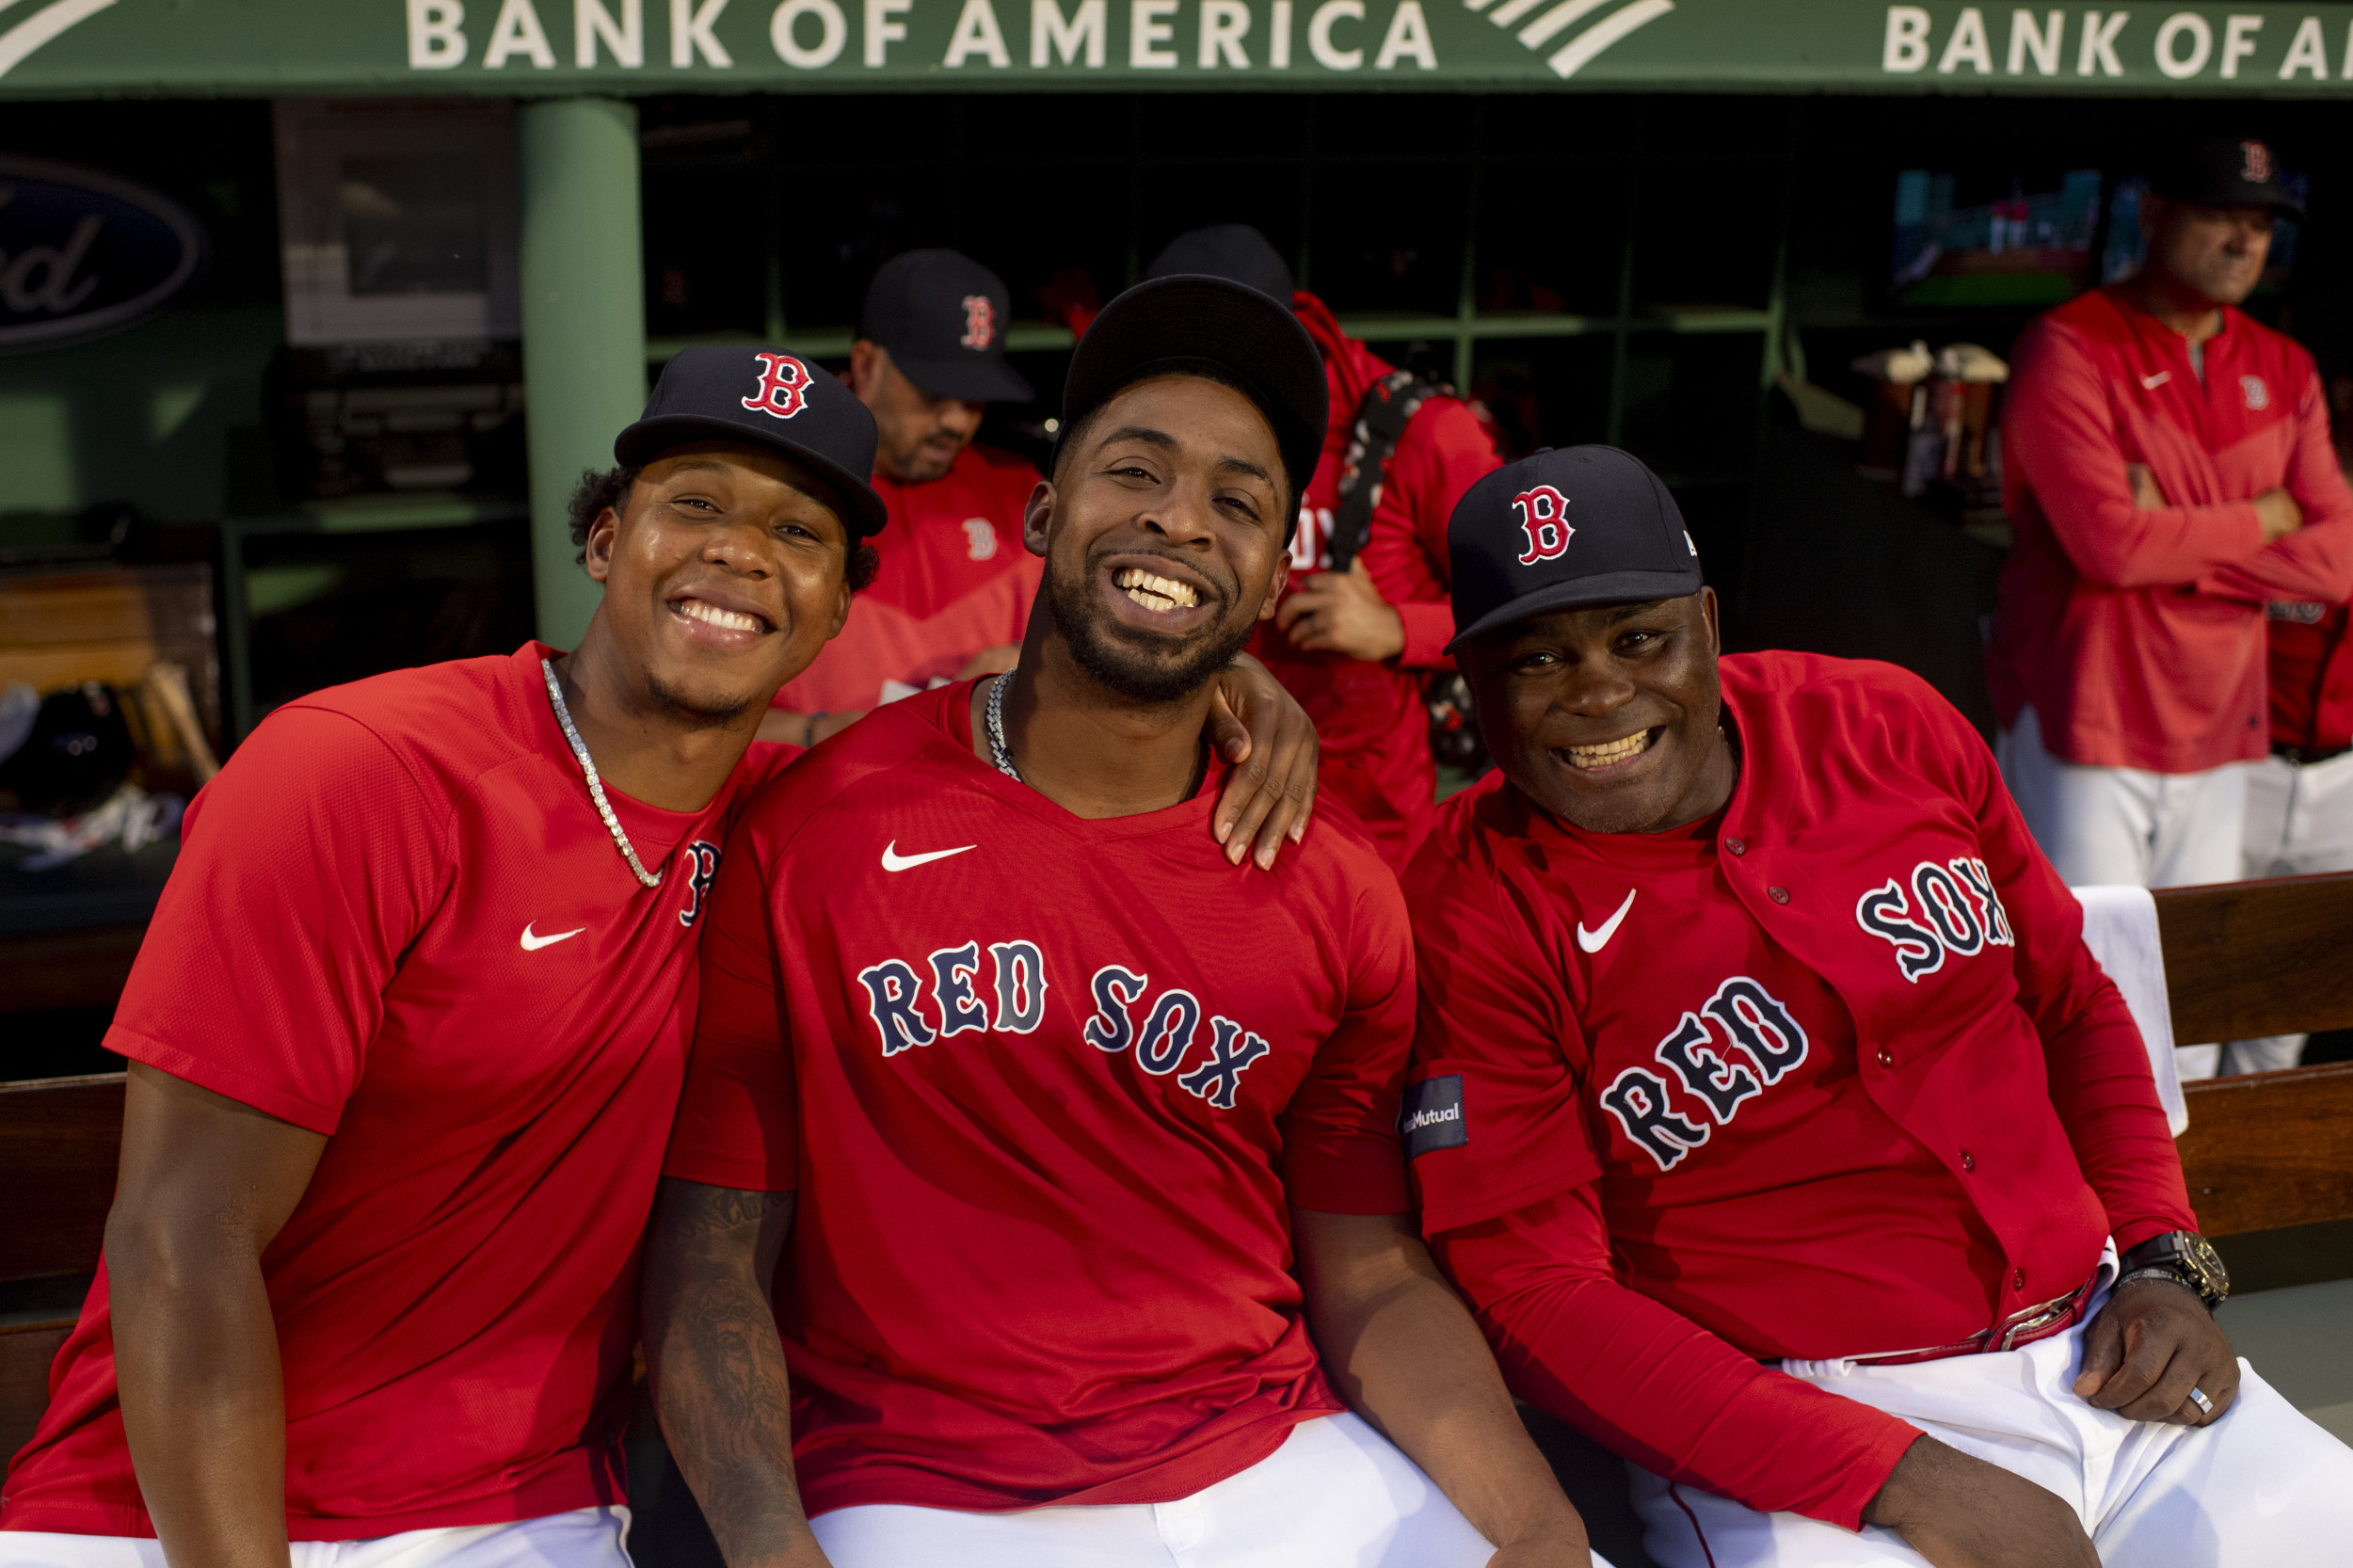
1045	1087
2137	634
1830	1073
398	920
955	579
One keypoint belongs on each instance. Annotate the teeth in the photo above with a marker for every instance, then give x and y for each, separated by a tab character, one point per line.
1158	593
1615	751
711	614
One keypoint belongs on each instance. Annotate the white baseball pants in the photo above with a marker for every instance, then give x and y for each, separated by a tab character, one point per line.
2300	820
583	1538
1336	1495
2263	1487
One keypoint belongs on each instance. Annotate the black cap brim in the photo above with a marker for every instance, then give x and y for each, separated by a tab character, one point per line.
648	439
1231	326
974	378
1617	587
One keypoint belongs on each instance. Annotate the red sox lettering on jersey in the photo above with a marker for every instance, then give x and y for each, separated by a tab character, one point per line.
1544	513
783	389
913	1006
1943	918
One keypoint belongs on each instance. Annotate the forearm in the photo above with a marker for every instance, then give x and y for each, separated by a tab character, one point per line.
720	1385
203	1397
1414	1363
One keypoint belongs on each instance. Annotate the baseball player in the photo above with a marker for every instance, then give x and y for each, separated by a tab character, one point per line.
1772	1114
1356	630
408	1029
2168	468
1082	1142
954	587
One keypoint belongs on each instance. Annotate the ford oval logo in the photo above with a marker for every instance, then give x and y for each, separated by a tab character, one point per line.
83	253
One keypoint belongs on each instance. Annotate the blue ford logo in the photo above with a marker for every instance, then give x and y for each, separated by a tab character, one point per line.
83	253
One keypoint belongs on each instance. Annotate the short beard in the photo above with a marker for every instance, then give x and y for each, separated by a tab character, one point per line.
707	713
1107	655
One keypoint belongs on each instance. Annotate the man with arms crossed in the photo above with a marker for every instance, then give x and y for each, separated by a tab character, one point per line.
1047	1103
408	1029
955	585
1770	1112
2167	462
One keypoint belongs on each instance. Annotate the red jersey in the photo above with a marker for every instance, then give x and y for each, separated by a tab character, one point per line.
955	579
398	920
2138	636
1830	1074
2311	676
1370	717
1045	1087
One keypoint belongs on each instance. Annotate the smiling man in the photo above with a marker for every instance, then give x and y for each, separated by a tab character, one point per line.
1770	1110
1082	1142
409	1029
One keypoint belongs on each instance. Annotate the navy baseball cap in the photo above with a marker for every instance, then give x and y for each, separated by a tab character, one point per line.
1565	527
1234	251
1168	325
763	397
2227	171
942	315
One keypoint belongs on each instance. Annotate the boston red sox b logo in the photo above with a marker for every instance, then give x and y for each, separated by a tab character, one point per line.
703	856
783	385
2256	170
1542	513
980	322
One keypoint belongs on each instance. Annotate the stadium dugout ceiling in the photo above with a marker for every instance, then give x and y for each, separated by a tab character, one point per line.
81	48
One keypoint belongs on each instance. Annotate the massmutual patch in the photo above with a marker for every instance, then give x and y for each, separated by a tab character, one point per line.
1432	1115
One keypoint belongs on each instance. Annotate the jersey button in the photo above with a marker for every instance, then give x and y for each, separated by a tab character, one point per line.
1968	1161
2018	1280
1736	846
1779	895
1887	1058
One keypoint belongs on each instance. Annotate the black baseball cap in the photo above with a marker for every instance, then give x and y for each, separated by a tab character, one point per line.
763	397
2227	171
1565	527
942	315
1234	251
1169	324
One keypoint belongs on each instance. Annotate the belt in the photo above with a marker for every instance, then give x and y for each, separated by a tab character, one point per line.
2021	1327
2304	757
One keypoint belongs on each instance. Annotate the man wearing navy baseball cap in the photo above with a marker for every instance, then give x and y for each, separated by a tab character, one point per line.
407	1034
955	585
1770	1112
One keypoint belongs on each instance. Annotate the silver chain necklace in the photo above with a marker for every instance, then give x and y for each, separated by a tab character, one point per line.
595	785
995	712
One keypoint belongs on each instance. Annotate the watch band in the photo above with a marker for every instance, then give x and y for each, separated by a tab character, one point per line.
2158	1272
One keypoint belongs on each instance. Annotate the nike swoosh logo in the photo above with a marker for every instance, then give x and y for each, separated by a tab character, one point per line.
2150	383
533	942
1593	941
894	861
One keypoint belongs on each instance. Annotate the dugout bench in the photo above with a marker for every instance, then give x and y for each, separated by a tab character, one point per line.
2263	1153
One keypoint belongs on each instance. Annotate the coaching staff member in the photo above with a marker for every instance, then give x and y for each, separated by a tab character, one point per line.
407	1030
1772	1114
953	588
1049	1103
2166	466
1353	644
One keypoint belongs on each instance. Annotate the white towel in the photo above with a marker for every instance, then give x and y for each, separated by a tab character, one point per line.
2121	929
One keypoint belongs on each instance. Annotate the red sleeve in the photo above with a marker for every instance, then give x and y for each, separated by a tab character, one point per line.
1445	452
2315	563
306	867
739	1116
2061	437
1340	1153
2097	1062
1652	1384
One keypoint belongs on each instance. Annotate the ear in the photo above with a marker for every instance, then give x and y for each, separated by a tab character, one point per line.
842	597
1707	613
2153	211
1037	517
1274	582
867	359
603	536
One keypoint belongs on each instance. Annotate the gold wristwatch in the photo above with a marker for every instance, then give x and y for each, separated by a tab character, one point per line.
2183	1255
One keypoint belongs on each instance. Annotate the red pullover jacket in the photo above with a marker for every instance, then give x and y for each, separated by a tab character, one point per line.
1370	717
2138	636
2311	676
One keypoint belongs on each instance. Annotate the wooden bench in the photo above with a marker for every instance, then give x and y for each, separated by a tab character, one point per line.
2262	1152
